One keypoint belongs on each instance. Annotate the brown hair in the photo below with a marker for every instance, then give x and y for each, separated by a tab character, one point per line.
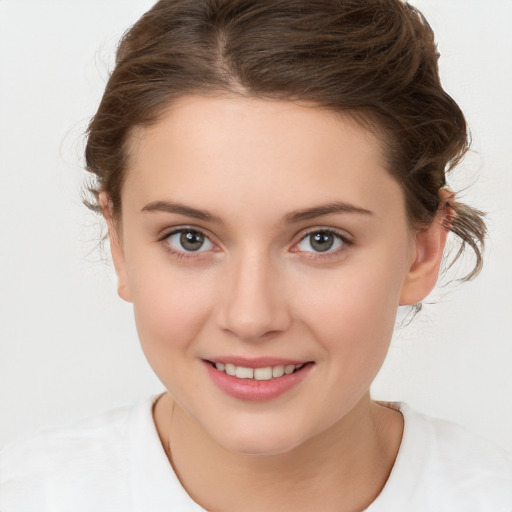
375	60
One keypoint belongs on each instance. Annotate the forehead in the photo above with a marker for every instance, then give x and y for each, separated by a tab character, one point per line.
256	152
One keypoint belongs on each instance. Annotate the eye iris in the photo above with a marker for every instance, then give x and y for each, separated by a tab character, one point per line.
191	240
322	242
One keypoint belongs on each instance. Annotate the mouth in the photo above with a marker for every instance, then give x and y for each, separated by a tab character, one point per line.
261	373
257	380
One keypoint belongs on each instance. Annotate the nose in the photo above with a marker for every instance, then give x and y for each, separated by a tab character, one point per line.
252	302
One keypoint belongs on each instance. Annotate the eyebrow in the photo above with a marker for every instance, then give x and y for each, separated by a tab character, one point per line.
168	207
326	209
290	218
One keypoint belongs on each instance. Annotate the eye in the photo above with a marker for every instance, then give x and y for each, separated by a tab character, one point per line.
320	242
189	240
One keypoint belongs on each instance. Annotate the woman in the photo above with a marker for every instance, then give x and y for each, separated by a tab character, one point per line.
273	180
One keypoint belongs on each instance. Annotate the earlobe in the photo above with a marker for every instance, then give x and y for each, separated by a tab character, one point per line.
116	247
429	246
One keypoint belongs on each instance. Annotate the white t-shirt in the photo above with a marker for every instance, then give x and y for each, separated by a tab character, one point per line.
114	462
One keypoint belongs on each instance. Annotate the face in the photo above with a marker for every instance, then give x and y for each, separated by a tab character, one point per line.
266	237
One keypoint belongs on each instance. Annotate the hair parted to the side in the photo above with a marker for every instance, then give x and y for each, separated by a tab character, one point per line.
374	60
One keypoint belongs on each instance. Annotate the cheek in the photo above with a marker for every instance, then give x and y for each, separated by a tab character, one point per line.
170	308
352	311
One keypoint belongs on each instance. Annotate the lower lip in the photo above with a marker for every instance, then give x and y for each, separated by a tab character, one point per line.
256	390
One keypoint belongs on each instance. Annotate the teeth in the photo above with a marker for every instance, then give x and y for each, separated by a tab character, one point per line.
267	373
289	368
244	373
263	373
278	371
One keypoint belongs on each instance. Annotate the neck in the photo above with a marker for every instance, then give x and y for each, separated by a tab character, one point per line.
342	469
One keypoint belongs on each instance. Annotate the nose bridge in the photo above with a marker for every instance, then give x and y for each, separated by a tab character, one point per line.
252	302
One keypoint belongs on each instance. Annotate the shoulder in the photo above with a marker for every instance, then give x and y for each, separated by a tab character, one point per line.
63	458
48	445
454	450
441	466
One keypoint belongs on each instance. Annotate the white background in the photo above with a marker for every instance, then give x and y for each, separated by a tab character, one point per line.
68	346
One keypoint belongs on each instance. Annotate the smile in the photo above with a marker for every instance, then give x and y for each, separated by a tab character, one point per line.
257	380
265	373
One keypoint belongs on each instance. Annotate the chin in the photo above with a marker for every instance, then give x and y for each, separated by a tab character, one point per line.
260	440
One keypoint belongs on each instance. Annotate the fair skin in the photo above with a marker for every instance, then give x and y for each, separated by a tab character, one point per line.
251	183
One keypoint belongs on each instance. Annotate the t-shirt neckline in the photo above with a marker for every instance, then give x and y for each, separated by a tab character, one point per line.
155	483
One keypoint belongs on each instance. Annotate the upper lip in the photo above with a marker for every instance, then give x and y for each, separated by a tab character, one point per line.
256	362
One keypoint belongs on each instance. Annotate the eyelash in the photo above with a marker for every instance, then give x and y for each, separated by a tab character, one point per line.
345	244
182	254
310	254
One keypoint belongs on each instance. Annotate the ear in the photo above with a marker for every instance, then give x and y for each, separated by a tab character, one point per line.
116	246
429	245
